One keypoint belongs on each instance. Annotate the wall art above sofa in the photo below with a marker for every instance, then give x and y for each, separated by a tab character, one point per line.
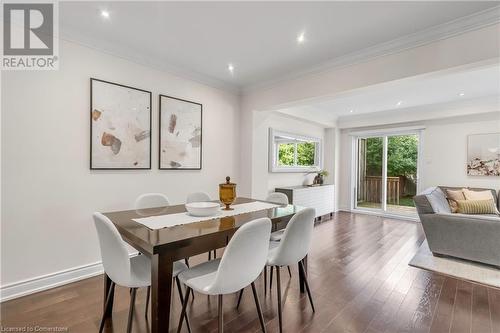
483	154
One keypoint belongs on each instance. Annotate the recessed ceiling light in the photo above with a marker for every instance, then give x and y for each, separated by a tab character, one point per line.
351	111
399	103
461	94
301	38
105	13
230	68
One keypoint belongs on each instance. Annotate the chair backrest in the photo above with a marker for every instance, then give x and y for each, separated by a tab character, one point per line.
244	257
277	197
197	197
115	258
296	240
151	200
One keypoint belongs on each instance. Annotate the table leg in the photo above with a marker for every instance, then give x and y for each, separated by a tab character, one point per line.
107	285
161	291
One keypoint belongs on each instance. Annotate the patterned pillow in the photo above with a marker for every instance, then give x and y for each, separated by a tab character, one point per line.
479	195
476	207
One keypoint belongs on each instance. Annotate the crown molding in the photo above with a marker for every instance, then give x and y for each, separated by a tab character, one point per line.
446	30
140	59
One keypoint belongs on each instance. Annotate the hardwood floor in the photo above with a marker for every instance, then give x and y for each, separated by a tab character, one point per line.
358	273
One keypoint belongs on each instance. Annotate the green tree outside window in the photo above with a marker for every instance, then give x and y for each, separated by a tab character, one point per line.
305	152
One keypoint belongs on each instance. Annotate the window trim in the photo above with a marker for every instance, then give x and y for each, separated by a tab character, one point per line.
273	152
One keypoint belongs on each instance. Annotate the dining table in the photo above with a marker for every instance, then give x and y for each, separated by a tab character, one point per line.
166	245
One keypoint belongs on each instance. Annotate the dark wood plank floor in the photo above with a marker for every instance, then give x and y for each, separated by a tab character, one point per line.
360	279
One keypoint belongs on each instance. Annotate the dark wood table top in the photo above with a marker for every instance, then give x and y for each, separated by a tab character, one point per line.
151	242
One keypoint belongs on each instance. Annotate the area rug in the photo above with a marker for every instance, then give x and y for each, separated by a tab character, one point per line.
460	269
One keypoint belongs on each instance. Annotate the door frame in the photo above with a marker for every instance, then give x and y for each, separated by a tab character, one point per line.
384	134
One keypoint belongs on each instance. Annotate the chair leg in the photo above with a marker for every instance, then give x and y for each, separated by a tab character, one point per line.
239	298
183	312
131	309
301	265
186	261
289	271
221	319
108	299
259	310
271	280
148	293
278	284
209	255
265	280
179	289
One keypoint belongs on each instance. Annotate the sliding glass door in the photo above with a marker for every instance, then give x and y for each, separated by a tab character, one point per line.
386	173
370	171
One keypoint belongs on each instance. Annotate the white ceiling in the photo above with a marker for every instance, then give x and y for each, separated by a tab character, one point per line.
440	88
259	38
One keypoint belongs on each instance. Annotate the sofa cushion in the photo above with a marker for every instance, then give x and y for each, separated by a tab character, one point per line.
481	195
453	197
476	206
477	195
438	201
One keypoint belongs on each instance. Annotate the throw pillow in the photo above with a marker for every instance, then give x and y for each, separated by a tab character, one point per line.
476	207
479	195
453	196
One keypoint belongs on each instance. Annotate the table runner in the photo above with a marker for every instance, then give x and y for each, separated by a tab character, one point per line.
170	220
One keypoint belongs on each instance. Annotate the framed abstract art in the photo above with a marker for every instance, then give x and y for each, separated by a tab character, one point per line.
483	154
180	140
120	126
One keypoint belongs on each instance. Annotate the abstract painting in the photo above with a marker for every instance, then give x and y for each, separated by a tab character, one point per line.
120	131
483	155
180	134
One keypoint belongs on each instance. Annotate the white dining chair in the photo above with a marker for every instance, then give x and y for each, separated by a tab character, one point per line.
133	273
201	197
292	249
241	263
197	197
277	198
151	200
280	199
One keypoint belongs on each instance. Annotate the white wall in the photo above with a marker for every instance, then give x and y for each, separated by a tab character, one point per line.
444	153
48	191
263	180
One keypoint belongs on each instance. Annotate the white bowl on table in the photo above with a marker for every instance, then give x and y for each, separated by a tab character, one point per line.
202	208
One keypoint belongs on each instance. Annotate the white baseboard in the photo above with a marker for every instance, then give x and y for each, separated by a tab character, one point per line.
49	281
40	283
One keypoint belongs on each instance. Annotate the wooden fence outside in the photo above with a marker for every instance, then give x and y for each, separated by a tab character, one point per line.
372	189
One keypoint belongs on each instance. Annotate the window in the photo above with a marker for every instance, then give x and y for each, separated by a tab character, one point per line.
293	153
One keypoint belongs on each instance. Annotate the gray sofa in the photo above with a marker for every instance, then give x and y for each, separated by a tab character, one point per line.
471	237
